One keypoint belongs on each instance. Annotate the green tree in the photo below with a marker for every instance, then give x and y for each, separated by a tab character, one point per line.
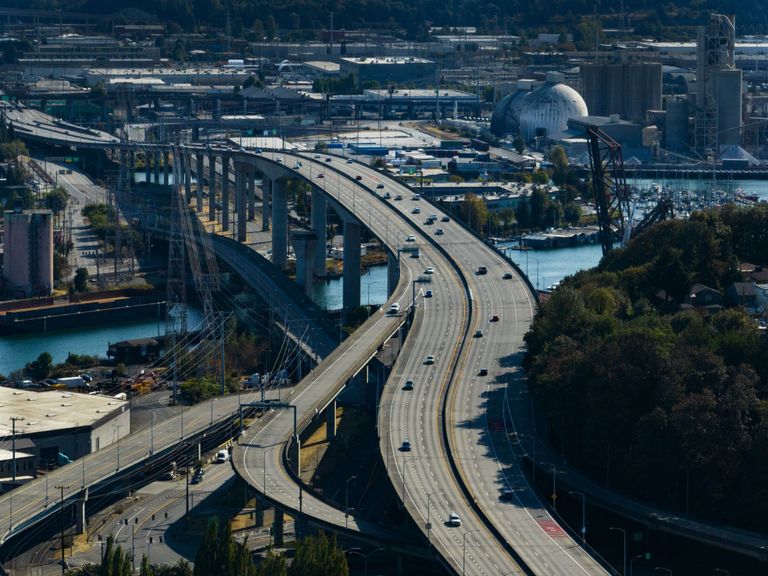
319	556
40	368
81	280
474	212
272	565
519	144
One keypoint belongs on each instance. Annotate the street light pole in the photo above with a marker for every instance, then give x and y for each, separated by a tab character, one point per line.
624	536
61	502
554	485
583	514
117	427
429	526
346	500
152	433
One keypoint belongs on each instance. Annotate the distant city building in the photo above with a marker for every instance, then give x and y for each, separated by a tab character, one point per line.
540	113
388	70
627	89
718	86
28	252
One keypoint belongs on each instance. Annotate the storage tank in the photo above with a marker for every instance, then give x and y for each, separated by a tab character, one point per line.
545	111
727	89
676	126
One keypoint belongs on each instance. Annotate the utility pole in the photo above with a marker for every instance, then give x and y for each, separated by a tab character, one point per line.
14	419
61	502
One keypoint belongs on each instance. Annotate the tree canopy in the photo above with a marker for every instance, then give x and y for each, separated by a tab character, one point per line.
643	390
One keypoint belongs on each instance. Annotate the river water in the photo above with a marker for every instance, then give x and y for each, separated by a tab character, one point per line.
543	267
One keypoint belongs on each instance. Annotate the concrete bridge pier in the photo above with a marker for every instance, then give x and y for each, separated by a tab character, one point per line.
330	421
251	192
241	175
147	167
266	209
351	287
80	517
280	223
304	245
156	156
131	168
200	182
187	162
393	273
212	188
278	527
166	164
225	193
319	226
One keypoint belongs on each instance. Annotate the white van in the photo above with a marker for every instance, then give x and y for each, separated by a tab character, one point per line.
222	456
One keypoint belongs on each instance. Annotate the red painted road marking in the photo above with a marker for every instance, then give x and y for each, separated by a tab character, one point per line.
551	527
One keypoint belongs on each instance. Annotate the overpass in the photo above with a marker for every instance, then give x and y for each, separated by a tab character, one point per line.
463	435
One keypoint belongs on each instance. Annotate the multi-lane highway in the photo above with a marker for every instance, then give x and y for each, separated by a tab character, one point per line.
450	466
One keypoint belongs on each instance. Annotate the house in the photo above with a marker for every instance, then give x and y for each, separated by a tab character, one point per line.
703	296
742	294
138	351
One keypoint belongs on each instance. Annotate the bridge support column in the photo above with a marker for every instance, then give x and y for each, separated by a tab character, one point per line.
266	206
148	167
279	224
225	193
330	421
277	527
393	273
304	246
80	516
156	157
131	168
200	181
187	162
319	226
351	288
212	188
240	178
251	191
166	163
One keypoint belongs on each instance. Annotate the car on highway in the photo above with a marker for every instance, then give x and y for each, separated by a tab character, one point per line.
453	520
495	318
399	197
416	211
394	308
297	165
358	177
320	175
429	270
380	186
408	385
439	232
279	160
483	372
410	238
507	276
478	334
507	495
416	197
405	446
387	196
445	219
428	222
197	477
482	270
350	161
428	294
430	359
221	457
327	159
317	156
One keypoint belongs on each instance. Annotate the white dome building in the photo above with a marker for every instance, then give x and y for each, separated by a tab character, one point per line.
546	110
543	111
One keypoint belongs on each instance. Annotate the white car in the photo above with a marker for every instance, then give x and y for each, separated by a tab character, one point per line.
394	308
453	520
222	456
430	359
416	211
410	238
429	270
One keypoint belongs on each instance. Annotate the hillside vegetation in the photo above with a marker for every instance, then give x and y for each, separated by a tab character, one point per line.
649	395
413	16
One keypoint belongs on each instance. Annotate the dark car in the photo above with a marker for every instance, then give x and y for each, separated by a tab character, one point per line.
358	177
196	478
483	372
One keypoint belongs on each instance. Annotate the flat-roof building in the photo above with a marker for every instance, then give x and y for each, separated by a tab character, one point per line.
62	422
383	71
